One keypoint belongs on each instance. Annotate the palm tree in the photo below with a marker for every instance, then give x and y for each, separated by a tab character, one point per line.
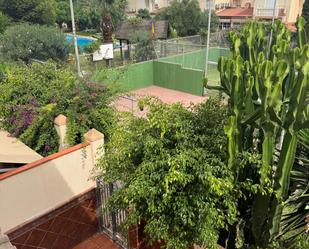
106	23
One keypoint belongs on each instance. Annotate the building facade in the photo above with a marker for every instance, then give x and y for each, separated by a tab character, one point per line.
224	4
152	5
286	10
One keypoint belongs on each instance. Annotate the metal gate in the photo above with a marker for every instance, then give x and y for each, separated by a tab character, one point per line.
109	221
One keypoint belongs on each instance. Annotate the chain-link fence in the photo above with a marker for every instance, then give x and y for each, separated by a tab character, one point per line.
150	50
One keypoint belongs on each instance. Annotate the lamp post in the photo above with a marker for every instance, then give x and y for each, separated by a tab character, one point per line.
272	25
75	41
208	36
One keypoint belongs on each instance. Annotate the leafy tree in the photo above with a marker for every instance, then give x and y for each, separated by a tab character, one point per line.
35	11
63	12
305	14
25	42
88	18
144	49
187	18
4	22
173	175
31	97
214	21
143	14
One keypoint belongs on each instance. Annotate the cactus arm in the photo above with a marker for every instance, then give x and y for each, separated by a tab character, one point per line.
302	37
286	161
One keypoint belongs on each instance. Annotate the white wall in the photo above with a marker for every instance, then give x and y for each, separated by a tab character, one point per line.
35	191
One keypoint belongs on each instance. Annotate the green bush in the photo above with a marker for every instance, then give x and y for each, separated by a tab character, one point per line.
25	42
92	47
34	11
143	14
144	49
187	18
31	97
173	172
4	22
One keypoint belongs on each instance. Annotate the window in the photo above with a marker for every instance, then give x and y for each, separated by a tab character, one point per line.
269	4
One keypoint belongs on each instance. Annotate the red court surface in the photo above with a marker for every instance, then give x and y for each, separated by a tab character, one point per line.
129	102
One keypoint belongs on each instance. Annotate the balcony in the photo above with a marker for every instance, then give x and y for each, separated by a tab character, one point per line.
268	13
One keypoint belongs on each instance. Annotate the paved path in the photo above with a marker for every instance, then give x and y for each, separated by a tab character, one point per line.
98	241
129	102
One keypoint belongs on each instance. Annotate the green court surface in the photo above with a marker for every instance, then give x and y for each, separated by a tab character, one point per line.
213	75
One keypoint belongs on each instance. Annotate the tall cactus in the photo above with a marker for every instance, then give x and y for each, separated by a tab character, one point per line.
267	92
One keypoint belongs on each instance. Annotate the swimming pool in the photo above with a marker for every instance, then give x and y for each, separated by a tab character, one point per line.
81	41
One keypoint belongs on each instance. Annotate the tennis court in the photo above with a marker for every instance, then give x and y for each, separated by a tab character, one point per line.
129	101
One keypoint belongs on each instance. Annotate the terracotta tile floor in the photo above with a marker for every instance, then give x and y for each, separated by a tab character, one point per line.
98	241
129	102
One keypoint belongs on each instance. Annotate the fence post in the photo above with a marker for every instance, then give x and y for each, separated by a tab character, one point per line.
99	204
183	55
60	123
96	140
113	214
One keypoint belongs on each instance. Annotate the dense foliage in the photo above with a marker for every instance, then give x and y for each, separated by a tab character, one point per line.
143	14
25	42
187	18
305	14
88	13
144	48
268	86
4	22
63	12
34	11
31	97
172	170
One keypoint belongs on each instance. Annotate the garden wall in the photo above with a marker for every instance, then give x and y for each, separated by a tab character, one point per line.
182	72
129	78
174	76
138	76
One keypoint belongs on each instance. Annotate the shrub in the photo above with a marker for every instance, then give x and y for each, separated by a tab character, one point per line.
143	14
25	42
92	47
144	49
4	22
173	172
34	11
31	97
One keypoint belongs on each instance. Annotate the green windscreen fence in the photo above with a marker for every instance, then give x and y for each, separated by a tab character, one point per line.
181	72
197	59
185	72
129	77
174	76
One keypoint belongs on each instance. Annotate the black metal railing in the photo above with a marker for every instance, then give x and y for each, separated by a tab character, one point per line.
109	221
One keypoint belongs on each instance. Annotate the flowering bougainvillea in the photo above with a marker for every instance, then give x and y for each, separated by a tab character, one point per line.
31	97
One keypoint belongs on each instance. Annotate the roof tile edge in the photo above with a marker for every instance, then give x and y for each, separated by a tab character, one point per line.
43	160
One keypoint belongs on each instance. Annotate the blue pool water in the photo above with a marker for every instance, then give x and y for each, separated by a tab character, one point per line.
81	41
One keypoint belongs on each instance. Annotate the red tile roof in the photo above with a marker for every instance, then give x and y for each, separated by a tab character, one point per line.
236	12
